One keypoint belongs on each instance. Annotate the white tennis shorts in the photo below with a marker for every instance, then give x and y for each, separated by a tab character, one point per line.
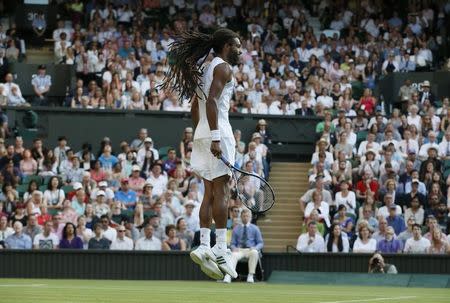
205	164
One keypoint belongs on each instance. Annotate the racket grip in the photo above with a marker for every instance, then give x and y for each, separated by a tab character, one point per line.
225	161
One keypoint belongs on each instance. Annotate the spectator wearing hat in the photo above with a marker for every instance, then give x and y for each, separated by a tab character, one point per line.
135	181
41	83
426	94
192	220
142	153
79	198
109	193
125	195
263	152
147	197
99	205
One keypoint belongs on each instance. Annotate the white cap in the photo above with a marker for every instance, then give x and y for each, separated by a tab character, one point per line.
148	139
101	193
135	168
102	183
240	89
77	186
189	203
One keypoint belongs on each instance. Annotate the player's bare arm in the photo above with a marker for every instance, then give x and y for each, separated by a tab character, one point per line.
222	74
194	111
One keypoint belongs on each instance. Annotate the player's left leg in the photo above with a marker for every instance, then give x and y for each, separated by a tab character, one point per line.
221	192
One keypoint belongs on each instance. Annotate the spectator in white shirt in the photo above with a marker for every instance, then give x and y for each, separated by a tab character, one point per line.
311	241
148	242
122	242
158	179
417	244
364	243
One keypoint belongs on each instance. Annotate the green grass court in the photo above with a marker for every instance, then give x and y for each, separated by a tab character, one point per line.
98	291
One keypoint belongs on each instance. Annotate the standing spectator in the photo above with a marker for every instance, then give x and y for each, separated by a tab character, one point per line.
46	239
41	85
417	244
311	241
39	26
138	143
18	240
246	242
148	242
70	240
98	241
122	242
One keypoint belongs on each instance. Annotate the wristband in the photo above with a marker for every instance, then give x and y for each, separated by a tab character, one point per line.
215	135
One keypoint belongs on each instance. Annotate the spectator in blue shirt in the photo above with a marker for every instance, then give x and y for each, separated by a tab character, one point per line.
171	163
125	195
18	240
389	244
246	242
395	221
107	160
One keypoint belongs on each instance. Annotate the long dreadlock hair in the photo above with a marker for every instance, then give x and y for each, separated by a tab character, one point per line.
189	47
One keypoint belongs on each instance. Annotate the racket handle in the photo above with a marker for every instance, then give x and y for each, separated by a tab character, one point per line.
225	161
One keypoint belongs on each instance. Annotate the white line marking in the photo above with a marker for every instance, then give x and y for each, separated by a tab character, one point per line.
22	285
372	300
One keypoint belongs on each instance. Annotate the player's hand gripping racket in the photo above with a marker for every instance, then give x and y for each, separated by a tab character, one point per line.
256	194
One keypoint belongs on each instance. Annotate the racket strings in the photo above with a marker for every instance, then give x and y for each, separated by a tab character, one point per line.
255	193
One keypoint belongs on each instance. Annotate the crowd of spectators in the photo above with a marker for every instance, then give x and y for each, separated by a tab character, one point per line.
138	197
378	183
120	50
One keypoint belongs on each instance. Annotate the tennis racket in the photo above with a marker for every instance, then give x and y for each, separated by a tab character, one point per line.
254	192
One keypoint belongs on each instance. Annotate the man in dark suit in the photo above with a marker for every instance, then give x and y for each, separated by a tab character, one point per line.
426	94
304	110
246	242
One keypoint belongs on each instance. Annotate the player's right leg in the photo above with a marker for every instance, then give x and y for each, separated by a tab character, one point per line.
201	255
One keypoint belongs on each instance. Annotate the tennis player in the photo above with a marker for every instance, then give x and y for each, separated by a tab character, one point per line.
212	87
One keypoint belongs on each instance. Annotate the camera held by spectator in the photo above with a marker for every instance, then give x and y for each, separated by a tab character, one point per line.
377	265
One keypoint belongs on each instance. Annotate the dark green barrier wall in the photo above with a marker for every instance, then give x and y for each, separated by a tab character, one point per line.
296	134
178	266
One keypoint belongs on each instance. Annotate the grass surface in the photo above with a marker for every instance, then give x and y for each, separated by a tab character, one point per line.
98	291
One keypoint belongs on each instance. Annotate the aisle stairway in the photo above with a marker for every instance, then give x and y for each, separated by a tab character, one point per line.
281	225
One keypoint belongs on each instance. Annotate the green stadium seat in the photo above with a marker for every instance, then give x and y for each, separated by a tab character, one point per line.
22	189
163	151
43	188
67	188
361	136
28	179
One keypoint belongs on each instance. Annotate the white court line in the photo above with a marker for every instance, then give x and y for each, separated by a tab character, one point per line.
22	285
372	300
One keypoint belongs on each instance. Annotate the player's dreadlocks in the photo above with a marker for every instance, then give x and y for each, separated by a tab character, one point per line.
189	47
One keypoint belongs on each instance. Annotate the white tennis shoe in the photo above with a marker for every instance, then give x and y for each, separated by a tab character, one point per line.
223	260
201	256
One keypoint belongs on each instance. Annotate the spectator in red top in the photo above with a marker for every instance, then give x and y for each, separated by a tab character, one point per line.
171	163
367	102
366	186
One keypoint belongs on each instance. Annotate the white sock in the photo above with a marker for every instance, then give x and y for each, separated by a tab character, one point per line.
249	276
205	236
221	238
